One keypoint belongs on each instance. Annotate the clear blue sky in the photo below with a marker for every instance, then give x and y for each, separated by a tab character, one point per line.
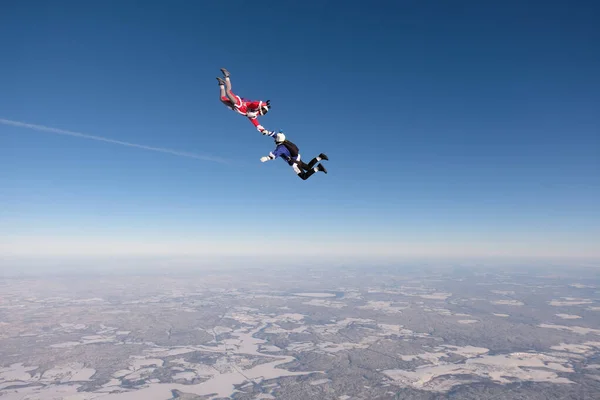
460	124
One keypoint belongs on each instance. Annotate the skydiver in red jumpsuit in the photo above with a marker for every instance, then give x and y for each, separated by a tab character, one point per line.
248	108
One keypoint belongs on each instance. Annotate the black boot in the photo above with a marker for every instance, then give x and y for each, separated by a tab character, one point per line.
225	72
320	167
323	156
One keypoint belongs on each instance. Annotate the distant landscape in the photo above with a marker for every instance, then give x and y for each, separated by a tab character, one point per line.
303	333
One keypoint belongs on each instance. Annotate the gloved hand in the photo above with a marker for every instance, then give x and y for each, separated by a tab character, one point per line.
266	132
263	159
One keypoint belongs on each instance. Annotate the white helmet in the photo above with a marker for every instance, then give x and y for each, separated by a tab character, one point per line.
279	138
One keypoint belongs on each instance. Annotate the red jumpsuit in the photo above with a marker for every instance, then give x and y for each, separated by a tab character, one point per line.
247	108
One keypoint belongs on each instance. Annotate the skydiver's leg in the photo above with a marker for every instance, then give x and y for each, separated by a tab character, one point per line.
304	175
312	162
222	94
316	160
230	95
303	166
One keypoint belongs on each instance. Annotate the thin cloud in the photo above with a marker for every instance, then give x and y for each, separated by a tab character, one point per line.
43	128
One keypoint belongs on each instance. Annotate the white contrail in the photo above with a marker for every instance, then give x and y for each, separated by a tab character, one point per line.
103	139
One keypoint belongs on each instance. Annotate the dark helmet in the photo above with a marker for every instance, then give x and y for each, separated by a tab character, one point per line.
263	108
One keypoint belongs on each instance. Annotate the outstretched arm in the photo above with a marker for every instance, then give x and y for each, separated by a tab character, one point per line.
269	133
271	156
258	126
278	152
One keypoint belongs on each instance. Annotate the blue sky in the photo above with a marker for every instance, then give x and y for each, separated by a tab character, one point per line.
465	128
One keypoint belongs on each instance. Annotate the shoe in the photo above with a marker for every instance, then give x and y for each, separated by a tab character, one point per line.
323	156
321	168
221	81
225	72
